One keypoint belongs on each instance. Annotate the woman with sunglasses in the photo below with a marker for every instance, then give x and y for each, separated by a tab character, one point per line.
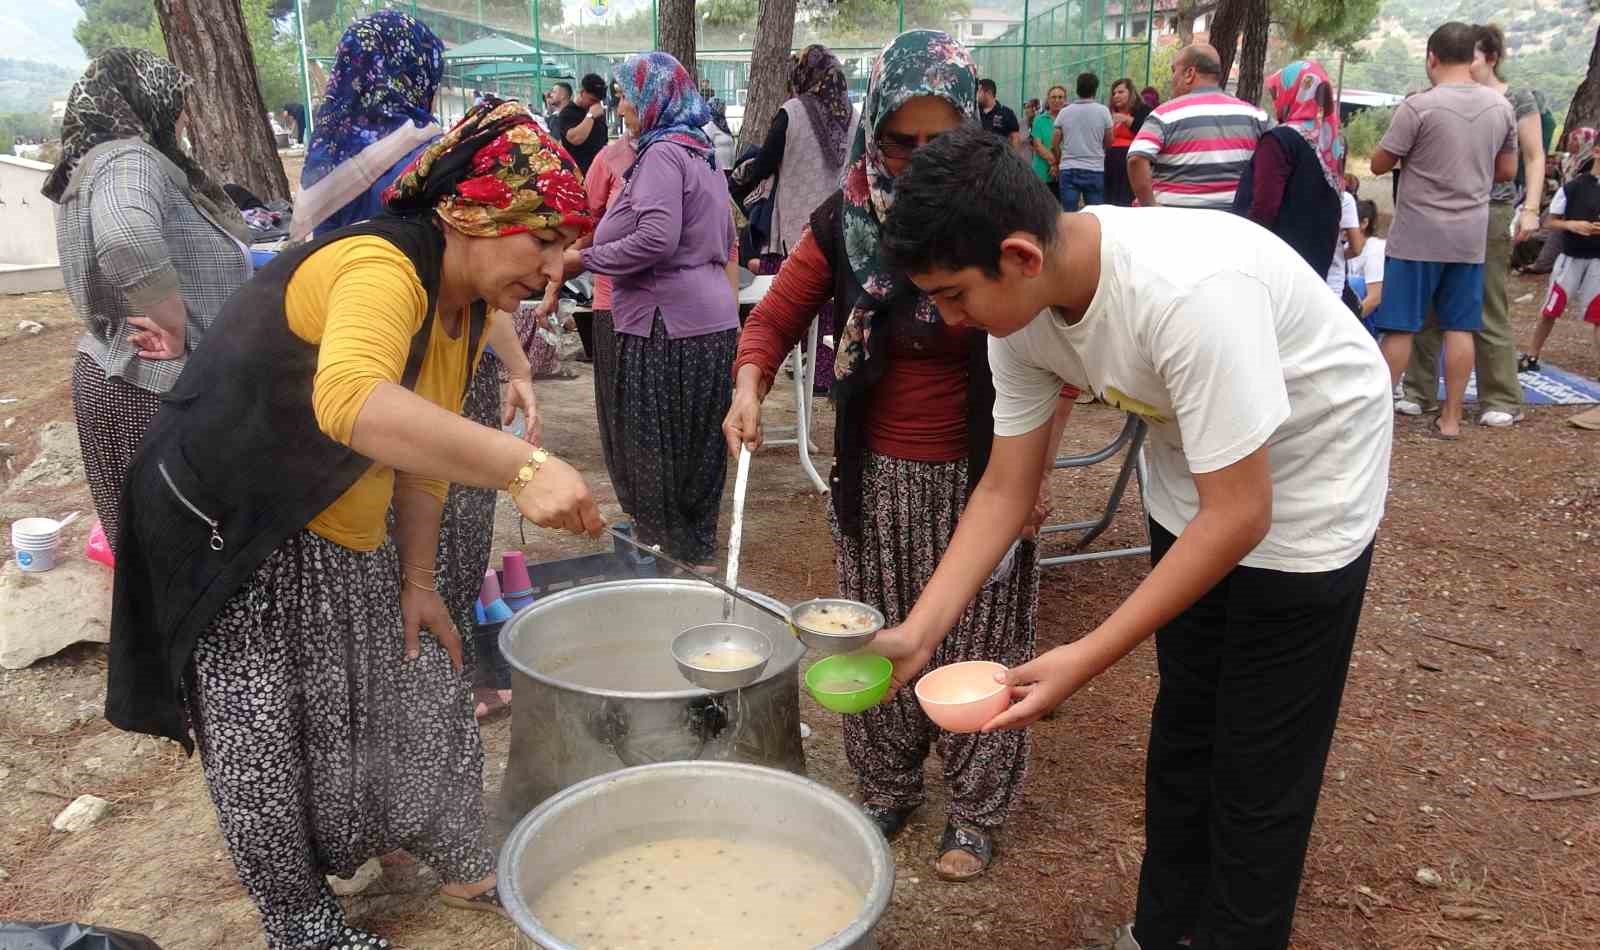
913	399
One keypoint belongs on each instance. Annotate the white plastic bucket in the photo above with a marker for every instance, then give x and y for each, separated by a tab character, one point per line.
37	543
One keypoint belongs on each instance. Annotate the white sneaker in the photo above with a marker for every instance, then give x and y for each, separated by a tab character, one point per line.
1500	419
1407	408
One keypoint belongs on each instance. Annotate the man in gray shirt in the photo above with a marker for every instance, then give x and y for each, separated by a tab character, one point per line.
1455	140
1083	133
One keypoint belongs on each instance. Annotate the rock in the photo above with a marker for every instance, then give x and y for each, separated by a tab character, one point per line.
4	875
1428	877
7	450
30	327
82	814
1458	912
41	614
58	464
366	875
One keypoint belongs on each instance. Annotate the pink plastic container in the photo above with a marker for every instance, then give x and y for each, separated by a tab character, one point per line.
490	591
516	587
962	697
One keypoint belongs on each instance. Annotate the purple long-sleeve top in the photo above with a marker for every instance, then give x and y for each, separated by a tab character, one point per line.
665	244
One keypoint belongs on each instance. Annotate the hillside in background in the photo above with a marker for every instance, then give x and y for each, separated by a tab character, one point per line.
28	86
1549	43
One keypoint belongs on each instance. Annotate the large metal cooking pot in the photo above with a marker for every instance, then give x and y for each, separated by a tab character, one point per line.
595	689
672	799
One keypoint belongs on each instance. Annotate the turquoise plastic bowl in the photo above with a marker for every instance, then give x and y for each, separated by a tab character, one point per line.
823	682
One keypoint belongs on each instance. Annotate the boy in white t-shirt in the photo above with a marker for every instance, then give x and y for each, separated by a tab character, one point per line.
1270	421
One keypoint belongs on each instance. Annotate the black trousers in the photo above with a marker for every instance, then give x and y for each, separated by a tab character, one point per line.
1251	679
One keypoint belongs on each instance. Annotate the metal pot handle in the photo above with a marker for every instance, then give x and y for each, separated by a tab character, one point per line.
704	719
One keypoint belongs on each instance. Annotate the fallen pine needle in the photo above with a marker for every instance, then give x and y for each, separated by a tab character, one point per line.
1460	643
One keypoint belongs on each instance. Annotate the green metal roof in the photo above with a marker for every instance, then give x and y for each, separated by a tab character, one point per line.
489	48
514	71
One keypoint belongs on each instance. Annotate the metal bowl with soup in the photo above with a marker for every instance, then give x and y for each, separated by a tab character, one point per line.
697	854
835	625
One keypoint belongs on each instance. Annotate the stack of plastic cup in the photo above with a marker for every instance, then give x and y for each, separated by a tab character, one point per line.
518	588
37	542
492	607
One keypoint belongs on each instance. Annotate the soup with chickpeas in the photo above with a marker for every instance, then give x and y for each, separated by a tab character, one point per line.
699	892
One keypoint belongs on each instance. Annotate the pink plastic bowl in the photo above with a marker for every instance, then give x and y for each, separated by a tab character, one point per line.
962	697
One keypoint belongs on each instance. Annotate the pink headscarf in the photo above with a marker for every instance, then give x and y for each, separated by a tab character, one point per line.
1302	98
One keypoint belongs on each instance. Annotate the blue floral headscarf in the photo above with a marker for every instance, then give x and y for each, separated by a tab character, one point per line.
387	70
670	108
915	63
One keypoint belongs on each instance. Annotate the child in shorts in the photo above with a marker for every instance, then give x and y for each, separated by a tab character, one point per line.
1575	210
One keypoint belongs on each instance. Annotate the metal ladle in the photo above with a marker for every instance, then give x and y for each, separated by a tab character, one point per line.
691	572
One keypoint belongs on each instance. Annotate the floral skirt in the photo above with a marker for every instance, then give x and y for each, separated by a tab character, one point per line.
909	512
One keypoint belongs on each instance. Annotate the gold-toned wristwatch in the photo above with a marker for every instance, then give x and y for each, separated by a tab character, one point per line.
528	471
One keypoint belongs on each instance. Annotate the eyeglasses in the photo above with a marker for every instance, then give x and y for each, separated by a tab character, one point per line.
902	146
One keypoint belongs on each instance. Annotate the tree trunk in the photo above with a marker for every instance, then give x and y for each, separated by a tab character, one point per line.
1183	20
1585	108
1253	57
769	70
1226	25
1187	12
677	22
227	120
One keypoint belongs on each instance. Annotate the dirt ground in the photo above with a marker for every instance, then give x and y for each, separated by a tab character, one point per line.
1472	697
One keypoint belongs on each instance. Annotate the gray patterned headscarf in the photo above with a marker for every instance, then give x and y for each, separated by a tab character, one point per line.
130	93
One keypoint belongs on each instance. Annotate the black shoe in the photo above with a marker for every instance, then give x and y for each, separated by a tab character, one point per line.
978	842
889	819
1527	364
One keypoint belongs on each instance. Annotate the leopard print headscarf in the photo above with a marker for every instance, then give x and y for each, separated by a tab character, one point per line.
134	94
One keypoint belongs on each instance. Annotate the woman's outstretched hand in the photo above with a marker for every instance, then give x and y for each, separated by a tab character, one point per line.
558	497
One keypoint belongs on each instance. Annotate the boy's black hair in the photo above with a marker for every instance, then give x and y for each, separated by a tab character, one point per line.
594	85
962	194
1454	43
987	85
1088	85
564	85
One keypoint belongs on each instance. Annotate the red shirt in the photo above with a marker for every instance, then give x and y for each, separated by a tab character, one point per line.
1121	134
917	411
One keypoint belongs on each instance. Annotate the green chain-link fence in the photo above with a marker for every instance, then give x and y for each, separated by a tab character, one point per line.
520	48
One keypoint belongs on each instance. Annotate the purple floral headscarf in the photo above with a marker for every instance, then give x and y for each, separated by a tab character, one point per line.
385	74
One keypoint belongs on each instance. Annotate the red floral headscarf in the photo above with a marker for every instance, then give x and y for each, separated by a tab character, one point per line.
495	173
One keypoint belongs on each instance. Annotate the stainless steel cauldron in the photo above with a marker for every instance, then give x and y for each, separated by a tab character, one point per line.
693	798
595	689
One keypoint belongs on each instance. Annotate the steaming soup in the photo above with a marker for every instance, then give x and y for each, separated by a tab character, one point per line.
698	892
725	656
836	619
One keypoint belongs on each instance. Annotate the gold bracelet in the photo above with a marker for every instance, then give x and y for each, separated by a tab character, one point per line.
528	471
433	587
419	567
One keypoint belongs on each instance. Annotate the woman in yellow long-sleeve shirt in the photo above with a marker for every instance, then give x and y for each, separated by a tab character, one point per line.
261	604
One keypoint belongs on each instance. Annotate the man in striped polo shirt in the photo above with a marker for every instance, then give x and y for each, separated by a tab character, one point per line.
1193	148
